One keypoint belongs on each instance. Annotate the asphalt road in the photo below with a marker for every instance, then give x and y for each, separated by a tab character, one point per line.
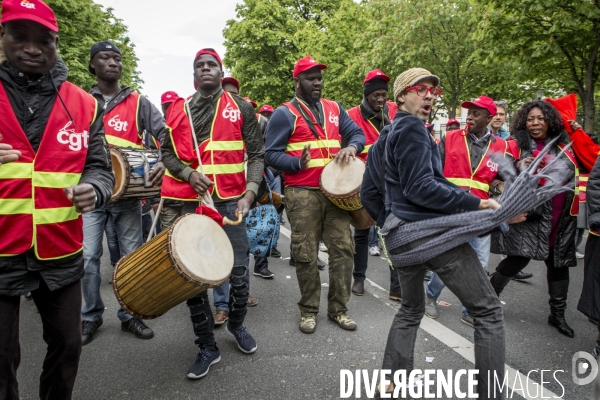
291	365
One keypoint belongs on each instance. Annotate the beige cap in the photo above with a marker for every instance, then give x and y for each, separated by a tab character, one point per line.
410	77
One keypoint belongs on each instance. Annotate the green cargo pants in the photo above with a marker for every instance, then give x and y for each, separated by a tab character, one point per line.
312	217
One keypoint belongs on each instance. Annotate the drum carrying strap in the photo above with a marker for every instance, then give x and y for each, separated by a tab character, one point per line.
309	121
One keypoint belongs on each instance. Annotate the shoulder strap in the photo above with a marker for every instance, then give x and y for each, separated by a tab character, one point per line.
309	122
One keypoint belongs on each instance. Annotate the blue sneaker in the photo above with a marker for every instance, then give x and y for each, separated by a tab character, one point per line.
428	275
205	359
245	341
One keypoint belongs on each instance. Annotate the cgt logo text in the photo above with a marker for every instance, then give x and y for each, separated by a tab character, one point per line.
76	141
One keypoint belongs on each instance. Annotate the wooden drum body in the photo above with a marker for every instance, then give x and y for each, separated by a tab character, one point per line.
360	219
340	183
131	168
179	263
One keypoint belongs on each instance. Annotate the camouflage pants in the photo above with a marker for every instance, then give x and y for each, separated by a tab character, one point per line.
312	217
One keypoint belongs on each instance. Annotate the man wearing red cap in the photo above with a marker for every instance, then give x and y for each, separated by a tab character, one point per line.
231	85
452	125
53	167
166	99
127	116
465	156
302	136
224	126
266	111
371	116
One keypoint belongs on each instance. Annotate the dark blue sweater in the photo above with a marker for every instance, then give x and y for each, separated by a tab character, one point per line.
415	185
281	126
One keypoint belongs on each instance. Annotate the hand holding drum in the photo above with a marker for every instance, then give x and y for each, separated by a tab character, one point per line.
7	154
200	183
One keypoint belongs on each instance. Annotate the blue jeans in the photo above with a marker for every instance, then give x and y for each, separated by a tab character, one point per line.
458	268
481	245
111	241
221	297
127	218
373	237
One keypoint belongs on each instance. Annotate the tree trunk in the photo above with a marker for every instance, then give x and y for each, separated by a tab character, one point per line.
452	110
588	110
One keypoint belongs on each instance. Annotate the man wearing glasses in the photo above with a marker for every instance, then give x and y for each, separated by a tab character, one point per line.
416	189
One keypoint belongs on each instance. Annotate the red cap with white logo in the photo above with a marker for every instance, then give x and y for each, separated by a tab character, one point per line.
31	10
266	108
168	97
306	63
376	74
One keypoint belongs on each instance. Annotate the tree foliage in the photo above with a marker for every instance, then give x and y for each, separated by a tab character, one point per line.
504	49
556	43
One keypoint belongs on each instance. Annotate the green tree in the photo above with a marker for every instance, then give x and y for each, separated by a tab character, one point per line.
441	36
265	41
556	43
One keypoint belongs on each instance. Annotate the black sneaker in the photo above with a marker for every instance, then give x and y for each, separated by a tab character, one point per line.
205	359
320	264
88	329
292	261
245	341
275	253
521	276
264	273
138	328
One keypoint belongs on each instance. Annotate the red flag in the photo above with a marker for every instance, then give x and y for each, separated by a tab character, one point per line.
211	213
567	107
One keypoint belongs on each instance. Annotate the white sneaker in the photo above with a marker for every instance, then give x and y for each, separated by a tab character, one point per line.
374	250
579	255
322	247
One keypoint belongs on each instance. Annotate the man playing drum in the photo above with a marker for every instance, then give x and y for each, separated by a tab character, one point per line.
302	137
224	126
53	166
126	116
371	116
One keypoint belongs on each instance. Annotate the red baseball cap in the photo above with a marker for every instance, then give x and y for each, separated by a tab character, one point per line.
32	10
168	97
232	80
453	121
376	74
306	63
481	102
266	108
210	51
251	102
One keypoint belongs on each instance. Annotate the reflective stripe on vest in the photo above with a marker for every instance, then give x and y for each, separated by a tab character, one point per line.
121	123
458	168
33	202
582	185
322	150
222	154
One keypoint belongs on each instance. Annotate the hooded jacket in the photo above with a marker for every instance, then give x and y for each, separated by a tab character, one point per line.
32	102
531	238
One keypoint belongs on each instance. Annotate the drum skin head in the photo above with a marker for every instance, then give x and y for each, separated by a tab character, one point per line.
120	169
343	178
201	249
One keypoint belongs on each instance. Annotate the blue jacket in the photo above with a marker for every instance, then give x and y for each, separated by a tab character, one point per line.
415	185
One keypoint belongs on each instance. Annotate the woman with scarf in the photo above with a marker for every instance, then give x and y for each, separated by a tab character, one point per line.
549	232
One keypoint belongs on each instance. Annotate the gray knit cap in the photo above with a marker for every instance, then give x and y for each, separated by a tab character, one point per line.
410	77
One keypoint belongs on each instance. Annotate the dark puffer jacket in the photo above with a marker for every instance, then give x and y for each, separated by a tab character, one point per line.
531	238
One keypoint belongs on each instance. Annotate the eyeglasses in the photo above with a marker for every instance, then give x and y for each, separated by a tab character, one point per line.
422	91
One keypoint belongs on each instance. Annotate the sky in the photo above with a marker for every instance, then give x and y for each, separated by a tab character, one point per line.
168	34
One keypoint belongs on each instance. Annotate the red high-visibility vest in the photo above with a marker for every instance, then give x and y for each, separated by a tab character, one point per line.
370	131
121	123
322	149
222	154
34	210
392	109
457	165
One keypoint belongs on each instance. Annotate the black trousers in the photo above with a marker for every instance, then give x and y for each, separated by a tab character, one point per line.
60	311
512	265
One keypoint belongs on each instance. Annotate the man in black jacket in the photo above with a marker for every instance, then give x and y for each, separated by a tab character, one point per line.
127	116
416	190
30	81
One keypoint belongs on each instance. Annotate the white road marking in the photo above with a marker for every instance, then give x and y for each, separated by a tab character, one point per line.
457	343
